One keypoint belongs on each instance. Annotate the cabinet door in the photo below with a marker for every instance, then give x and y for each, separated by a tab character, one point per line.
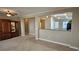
0	30
5	29
5	26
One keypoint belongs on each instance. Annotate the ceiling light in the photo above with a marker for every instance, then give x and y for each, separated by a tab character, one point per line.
65	14
8	15
47	16
8	12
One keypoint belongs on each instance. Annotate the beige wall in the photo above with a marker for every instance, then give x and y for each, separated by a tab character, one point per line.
70	38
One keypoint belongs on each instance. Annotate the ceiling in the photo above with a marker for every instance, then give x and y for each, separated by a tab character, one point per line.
24	11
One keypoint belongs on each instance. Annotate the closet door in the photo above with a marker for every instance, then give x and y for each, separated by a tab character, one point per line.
5	29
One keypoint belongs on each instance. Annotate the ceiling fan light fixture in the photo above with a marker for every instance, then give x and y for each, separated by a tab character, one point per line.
8	12
8	15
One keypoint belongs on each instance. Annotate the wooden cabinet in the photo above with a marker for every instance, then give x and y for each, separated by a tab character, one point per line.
0	30
6	29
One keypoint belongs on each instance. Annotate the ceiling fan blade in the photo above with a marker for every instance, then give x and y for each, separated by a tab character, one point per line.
13	14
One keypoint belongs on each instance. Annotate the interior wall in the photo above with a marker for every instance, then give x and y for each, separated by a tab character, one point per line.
32	26
65	37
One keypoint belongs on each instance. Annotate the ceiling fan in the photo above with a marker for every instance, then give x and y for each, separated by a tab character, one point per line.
8	12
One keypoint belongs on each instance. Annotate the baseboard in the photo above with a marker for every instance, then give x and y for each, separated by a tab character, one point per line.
60	44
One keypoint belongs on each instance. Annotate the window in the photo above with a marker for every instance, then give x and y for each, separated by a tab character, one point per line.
61	21
13	29
65	24
54	24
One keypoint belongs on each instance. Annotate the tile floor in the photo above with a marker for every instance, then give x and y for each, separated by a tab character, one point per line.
28	43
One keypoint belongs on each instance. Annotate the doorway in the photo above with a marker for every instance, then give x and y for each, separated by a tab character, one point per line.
30	26
26	26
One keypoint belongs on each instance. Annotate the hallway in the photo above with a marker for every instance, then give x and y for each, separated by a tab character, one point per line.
28	43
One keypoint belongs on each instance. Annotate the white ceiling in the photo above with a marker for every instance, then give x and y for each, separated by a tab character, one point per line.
23	11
